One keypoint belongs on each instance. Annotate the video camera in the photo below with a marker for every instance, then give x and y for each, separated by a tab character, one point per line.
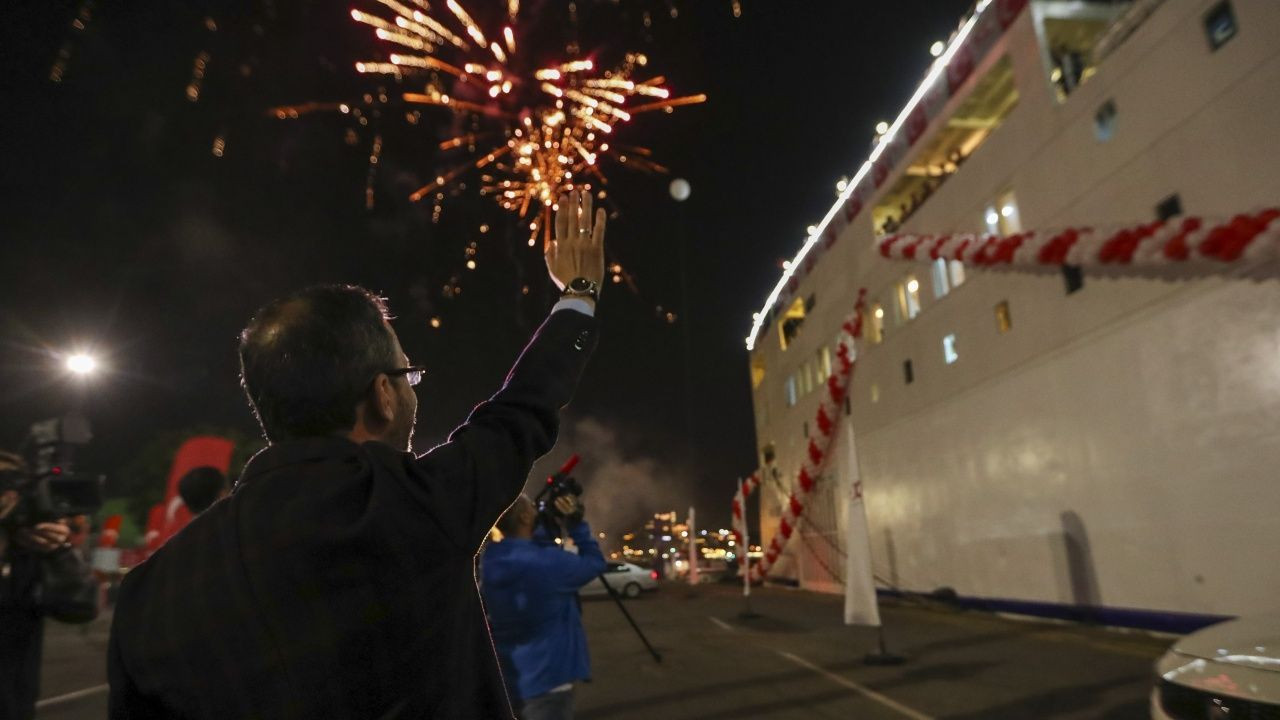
558	486
46	486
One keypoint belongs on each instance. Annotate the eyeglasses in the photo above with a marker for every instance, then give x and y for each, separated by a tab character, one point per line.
413	373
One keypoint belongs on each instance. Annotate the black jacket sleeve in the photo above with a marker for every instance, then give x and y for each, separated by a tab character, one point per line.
481	468
126	701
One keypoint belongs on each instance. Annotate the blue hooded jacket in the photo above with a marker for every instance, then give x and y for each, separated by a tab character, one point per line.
531	595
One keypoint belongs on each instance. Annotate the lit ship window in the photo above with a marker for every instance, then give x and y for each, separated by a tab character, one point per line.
949	349
792	319
757	370
941	282
824	364
1004	321
1071	34
908	298
1002	217
876	326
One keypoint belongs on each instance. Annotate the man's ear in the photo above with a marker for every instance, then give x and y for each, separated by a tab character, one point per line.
382	402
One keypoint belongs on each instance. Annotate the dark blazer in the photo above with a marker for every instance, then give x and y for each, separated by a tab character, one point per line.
338	581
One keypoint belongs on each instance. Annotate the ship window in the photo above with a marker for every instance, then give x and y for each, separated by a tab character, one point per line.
1104	121
757	369
1073	276
875	393
824	364
1069	32
790	390
909	298
942	153
792	319
1004	320
941	283
1169	207
957	273
1220	24
908	372
877	324
1002	217
949	349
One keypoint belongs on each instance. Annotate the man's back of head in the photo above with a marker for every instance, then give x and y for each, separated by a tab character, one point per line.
306	360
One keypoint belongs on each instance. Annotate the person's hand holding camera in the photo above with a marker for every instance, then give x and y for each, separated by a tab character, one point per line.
45	537
570	510
577	251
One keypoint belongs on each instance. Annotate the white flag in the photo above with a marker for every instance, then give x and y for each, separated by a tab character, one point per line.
860	605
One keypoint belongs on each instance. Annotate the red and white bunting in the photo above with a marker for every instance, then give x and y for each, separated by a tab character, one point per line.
827	420
1178	247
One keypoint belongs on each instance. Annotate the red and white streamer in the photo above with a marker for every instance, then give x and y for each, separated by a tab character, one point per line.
827	419
1178	246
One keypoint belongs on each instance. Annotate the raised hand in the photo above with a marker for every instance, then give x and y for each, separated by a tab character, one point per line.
578	248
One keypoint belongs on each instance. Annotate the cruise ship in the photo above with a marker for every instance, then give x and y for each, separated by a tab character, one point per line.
1065	399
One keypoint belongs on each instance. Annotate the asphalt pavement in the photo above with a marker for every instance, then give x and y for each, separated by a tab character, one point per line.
795	660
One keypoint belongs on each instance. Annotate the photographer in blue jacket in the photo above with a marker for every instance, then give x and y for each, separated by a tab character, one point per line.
530	586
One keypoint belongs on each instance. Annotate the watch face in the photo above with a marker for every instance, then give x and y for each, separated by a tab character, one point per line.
580	285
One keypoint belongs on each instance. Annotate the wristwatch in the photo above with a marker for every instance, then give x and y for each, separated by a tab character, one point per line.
581	287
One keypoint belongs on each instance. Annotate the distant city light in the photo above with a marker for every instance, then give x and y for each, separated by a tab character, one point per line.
937	48
81	364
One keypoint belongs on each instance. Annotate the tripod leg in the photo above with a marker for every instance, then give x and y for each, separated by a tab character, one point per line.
625	613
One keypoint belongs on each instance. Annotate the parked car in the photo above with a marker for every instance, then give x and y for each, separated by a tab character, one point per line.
1228	670
626	579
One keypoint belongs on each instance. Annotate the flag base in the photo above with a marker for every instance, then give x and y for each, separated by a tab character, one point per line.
882	657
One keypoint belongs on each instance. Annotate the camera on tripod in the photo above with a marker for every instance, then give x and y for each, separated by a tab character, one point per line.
559	485
46	485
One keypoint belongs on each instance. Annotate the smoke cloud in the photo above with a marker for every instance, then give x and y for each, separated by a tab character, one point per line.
621	488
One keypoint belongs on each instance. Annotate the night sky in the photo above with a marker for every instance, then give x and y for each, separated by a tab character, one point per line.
123	233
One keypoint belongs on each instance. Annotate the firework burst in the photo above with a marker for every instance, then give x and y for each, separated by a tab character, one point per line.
548	127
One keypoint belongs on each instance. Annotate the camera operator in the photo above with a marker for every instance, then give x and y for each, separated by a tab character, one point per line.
40	575
531	592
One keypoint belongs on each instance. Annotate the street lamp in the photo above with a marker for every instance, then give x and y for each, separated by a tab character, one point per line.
81	364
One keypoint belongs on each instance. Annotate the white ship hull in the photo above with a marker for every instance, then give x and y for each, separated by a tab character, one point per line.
1115	447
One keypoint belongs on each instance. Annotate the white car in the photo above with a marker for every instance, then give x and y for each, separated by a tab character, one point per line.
1228	670
626	579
